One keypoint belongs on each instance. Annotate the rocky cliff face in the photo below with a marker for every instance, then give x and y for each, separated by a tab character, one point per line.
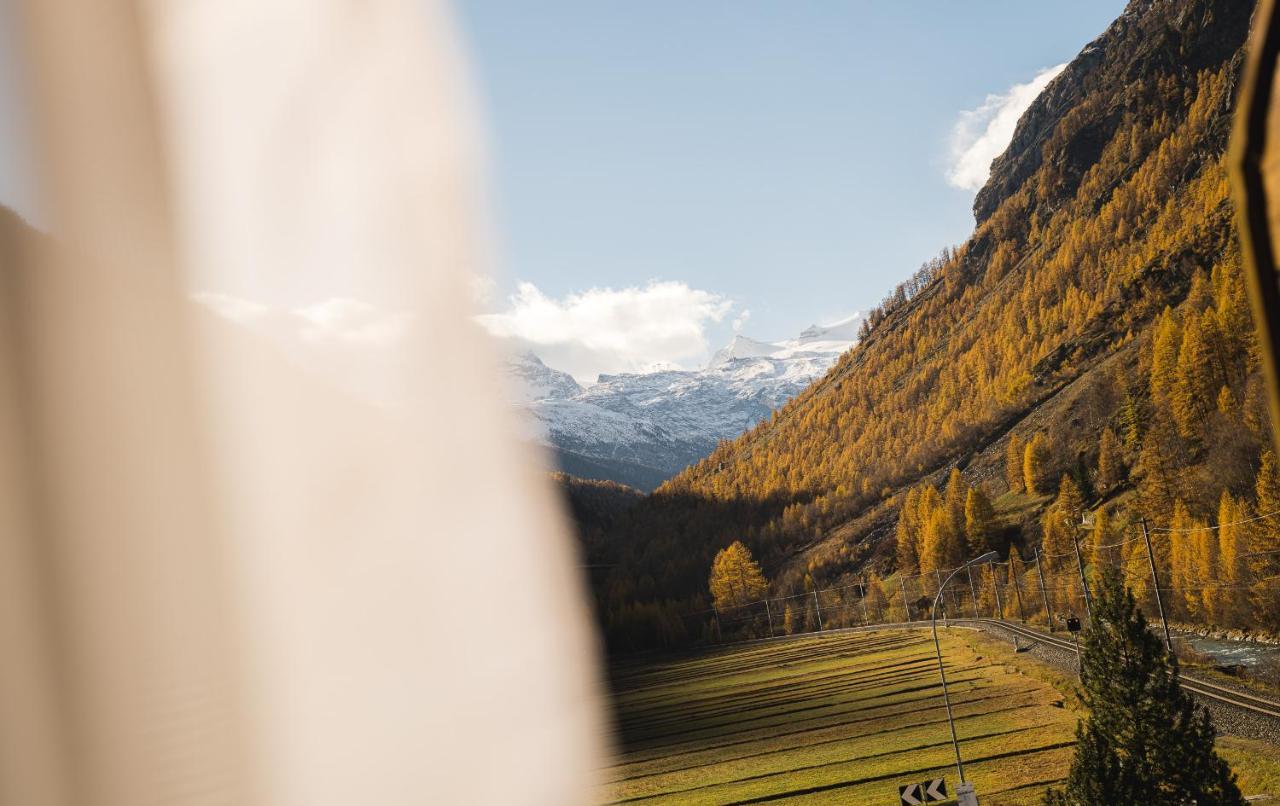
1097	89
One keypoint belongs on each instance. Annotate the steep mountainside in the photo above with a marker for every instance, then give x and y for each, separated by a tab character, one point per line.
641	429
1100	292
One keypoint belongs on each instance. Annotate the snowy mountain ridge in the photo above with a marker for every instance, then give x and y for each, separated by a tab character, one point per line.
642	428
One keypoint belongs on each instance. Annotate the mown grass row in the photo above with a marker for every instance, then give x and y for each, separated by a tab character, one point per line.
834	718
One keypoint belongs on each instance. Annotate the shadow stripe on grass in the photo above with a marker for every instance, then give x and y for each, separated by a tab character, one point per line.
886	754
654	740
708	662
836	740
788	691
675	750
788	694
711	669
710	665
905	774
784	672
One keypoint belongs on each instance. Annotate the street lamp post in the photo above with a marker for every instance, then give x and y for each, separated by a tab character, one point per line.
990	556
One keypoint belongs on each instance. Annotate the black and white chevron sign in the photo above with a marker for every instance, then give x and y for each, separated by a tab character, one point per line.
928	792
935	790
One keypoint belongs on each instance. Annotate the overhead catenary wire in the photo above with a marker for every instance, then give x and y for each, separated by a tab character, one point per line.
1166	529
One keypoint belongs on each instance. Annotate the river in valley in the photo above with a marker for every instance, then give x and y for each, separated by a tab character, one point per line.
1235	653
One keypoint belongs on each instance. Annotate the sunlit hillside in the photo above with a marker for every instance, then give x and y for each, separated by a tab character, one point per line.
1097	313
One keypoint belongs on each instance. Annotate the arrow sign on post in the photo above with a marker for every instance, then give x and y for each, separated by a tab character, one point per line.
928	792
935	790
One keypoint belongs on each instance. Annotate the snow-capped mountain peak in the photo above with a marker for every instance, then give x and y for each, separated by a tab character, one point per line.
845	330
641	428
827	339
534	380
742	347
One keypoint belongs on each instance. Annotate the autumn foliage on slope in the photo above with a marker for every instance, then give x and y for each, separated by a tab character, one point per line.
1104	253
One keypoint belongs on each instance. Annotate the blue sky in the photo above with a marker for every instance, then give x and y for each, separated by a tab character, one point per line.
789	159
662	173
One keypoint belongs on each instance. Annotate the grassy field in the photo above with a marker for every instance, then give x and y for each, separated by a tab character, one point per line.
836	718
847	717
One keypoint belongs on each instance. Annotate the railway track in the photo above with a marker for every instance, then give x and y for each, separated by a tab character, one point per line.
1203	688
1261	706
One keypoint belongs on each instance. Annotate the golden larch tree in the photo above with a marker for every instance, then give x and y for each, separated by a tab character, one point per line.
1233	545
1196	378
936	543
1061	517
979	521
1013	459
876	600
1099	544
907	534
954	500
1165	345
1265	564
735	578
1017	587
1110	462
1034	465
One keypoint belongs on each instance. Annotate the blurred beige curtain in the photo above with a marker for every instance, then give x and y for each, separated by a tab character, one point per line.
224	579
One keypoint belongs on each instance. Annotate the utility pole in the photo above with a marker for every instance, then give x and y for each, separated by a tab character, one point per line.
1155	581
768	612
995	586
818	607
862	591
905	609
1017	588
965	789
973	592
1075	542
1048	611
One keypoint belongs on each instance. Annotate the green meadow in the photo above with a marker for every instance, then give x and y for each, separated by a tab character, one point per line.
834	718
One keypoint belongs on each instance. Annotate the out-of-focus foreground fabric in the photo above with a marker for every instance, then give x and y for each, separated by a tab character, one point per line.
224	579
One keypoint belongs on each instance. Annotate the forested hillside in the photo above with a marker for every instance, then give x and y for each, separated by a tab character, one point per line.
1095	327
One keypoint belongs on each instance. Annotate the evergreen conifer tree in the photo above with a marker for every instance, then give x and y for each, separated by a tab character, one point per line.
1144	740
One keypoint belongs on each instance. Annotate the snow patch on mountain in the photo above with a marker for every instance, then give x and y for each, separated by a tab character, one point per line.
532	380
641	428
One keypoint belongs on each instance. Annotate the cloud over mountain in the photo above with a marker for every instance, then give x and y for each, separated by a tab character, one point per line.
980	135
610	330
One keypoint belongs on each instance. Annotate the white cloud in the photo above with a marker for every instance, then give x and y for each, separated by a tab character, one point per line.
741	320
608	330
980	135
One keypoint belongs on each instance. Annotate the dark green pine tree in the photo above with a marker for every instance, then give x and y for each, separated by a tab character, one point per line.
1144	740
